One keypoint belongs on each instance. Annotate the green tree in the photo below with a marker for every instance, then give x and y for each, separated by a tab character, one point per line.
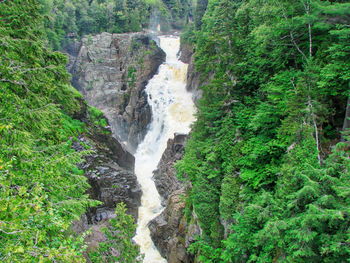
119	247
261	151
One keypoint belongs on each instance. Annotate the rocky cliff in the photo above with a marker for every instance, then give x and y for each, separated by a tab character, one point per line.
194	79
111	71
170	231
109	168
165	175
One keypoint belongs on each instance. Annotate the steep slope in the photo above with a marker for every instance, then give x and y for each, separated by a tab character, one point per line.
49	141
111	71
268	159
173	112
170	231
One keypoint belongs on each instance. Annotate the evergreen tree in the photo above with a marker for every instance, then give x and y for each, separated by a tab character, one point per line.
42	191
263	157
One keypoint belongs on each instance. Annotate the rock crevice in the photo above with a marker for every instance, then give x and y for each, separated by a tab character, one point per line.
170	231
109	169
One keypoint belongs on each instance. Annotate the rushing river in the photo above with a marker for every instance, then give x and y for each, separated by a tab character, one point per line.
172	111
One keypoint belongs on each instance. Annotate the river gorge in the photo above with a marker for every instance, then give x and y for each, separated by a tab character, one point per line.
142	89
166	131
173	112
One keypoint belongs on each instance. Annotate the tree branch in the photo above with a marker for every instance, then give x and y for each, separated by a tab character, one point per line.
14	82
11	233
307	10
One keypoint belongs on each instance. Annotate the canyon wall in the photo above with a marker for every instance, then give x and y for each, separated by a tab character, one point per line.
112	71
171	231
193	80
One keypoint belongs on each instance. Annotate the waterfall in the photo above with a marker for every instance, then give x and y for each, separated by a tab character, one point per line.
172	111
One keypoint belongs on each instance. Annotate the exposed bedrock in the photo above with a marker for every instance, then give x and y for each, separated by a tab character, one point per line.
109	169
186	52
170	231
194	79
112	71
165	175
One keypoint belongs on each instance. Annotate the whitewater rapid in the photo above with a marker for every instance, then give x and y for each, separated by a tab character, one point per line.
172	112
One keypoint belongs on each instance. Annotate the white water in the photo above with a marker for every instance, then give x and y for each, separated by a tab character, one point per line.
172	110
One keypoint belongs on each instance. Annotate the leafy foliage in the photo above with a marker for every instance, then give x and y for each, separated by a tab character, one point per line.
42	191
67	20
265	156
119	247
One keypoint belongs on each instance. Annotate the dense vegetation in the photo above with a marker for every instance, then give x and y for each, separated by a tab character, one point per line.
268	157
67	20
41	189
119	234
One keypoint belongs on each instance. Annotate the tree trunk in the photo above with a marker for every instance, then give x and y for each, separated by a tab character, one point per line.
346	124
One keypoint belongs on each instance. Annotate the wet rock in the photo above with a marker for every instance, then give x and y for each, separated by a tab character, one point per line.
109	168
117	151
112	71
166	230
111	185
186	52
165	175
170	231
194	81
110	172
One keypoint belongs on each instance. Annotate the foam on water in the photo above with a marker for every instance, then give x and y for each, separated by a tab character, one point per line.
173	111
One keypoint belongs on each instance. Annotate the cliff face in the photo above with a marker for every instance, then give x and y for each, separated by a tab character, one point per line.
170	231
194	79
165	175
109	168
186	52
111	71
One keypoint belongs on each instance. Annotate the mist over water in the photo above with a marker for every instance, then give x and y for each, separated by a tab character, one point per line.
154	21
172	111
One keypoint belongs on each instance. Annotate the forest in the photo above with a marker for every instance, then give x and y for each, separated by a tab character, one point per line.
42	189
268	158
66	20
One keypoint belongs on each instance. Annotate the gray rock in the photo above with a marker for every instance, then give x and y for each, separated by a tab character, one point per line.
165	175
112	71
186	52
194	78
110	172
194	81
109	168
170	231
166	229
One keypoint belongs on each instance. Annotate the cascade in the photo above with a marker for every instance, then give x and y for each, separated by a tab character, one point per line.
173	111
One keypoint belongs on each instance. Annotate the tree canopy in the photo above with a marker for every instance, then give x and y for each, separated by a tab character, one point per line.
268	156
67	20
42	190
